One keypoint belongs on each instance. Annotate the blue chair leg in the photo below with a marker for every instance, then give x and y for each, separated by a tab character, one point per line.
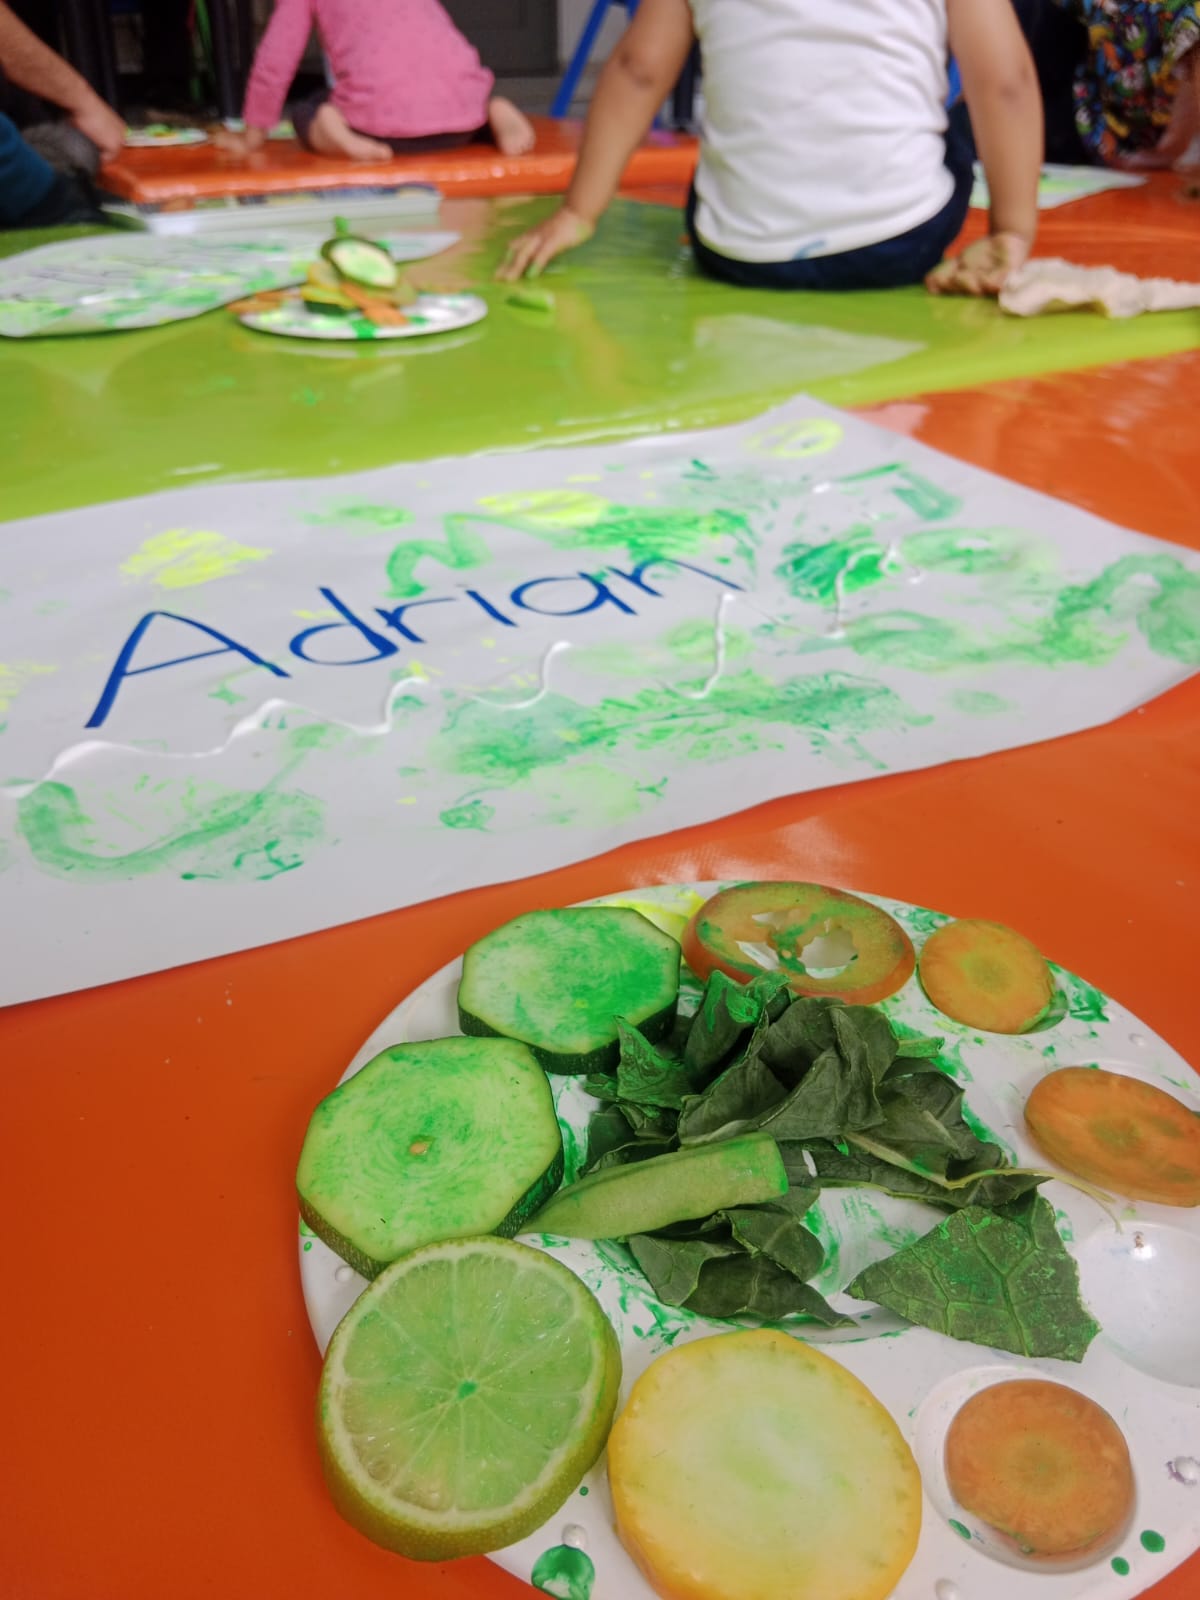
579	61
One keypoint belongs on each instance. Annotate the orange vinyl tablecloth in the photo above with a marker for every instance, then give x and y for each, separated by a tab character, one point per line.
158	1437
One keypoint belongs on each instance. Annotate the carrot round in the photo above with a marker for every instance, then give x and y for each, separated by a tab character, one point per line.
778	922
986	975
1118	1132
1043	1465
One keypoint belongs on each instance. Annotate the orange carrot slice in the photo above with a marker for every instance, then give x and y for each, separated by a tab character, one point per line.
986	975
1043	1465
759	927
1118	1132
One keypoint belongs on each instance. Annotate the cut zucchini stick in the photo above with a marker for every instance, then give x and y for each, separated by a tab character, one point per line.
645	1195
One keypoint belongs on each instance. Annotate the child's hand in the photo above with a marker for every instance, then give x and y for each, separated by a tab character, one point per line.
240	145
983	268
533	251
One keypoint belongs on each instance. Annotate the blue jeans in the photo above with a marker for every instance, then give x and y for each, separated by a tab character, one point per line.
25	178
888	265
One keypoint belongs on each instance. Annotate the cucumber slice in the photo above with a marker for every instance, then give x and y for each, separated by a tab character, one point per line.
328	302
558	980
361	261
438	1140
645	1195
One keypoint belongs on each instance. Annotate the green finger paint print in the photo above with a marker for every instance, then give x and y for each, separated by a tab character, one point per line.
1153	1542
361	516
980	703
564	1572
824	573
974	552
468	814
1120	1566
201	831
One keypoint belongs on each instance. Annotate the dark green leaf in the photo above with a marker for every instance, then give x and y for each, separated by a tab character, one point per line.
856	1169
645	1076
833	1097
795	1039
608	1130
673	1265
635	1150
739	1099
649	1122
923	1120
780	1236
755	1286
728	1012
601	1086
865	1039
1003	1281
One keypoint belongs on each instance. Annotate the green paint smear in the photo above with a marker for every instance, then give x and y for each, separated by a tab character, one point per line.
223	834
812	571
566	520
564	1572
1120	1566
735	718
979	703
960	1530
1153	1542
1088	625
469	814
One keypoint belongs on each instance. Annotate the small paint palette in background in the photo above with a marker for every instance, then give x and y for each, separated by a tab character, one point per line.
1140	1280
429	313
162	136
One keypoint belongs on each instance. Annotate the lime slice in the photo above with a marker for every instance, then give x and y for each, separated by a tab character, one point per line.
465	1393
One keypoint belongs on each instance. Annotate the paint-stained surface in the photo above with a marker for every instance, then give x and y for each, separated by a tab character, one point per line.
271	713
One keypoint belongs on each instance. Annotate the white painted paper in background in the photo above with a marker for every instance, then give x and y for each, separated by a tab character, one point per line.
234	714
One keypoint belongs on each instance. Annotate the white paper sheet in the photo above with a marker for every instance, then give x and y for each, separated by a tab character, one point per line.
237	713
110	282
1060	185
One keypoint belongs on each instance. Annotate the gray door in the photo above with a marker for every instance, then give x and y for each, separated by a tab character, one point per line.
515	37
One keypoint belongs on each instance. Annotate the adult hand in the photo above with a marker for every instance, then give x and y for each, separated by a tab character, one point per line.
98	122
983	268
533	251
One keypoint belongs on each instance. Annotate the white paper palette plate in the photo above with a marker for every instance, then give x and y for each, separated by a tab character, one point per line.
160	137
1142	1284
429	313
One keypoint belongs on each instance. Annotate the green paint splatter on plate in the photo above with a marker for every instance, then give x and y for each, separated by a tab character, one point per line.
1120	1566
960	1530
1153	1542
564	1572
469	814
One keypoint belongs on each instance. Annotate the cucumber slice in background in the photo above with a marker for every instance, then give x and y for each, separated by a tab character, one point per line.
444	1139
645	1195
558	980
362	261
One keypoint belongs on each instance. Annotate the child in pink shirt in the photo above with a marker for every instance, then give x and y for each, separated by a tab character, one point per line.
403	78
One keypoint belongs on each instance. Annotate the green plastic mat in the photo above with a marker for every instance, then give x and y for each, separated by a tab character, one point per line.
634	342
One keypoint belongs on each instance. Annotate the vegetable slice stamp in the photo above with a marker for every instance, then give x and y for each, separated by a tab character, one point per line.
749	1466
986	976
558	981
1043	1465
464	1395
429	1141
804	930
1118	1132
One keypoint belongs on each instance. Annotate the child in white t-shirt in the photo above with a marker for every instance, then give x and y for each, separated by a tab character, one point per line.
828	159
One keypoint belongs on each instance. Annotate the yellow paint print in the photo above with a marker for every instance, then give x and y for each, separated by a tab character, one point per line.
181	558
14	675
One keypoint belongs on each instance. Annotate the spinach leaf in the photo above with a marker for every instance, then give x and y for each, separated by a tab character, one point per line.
727	1012
923	1120
834	1096
1004	1280
672	1266
854	1168
739	1099
796	1038
779	1236
645	1076
865	1039
754	1286
635	1150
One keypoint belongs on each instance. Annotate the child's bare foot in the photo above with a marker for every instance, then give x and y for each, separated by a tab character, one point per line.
511	128
331	135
